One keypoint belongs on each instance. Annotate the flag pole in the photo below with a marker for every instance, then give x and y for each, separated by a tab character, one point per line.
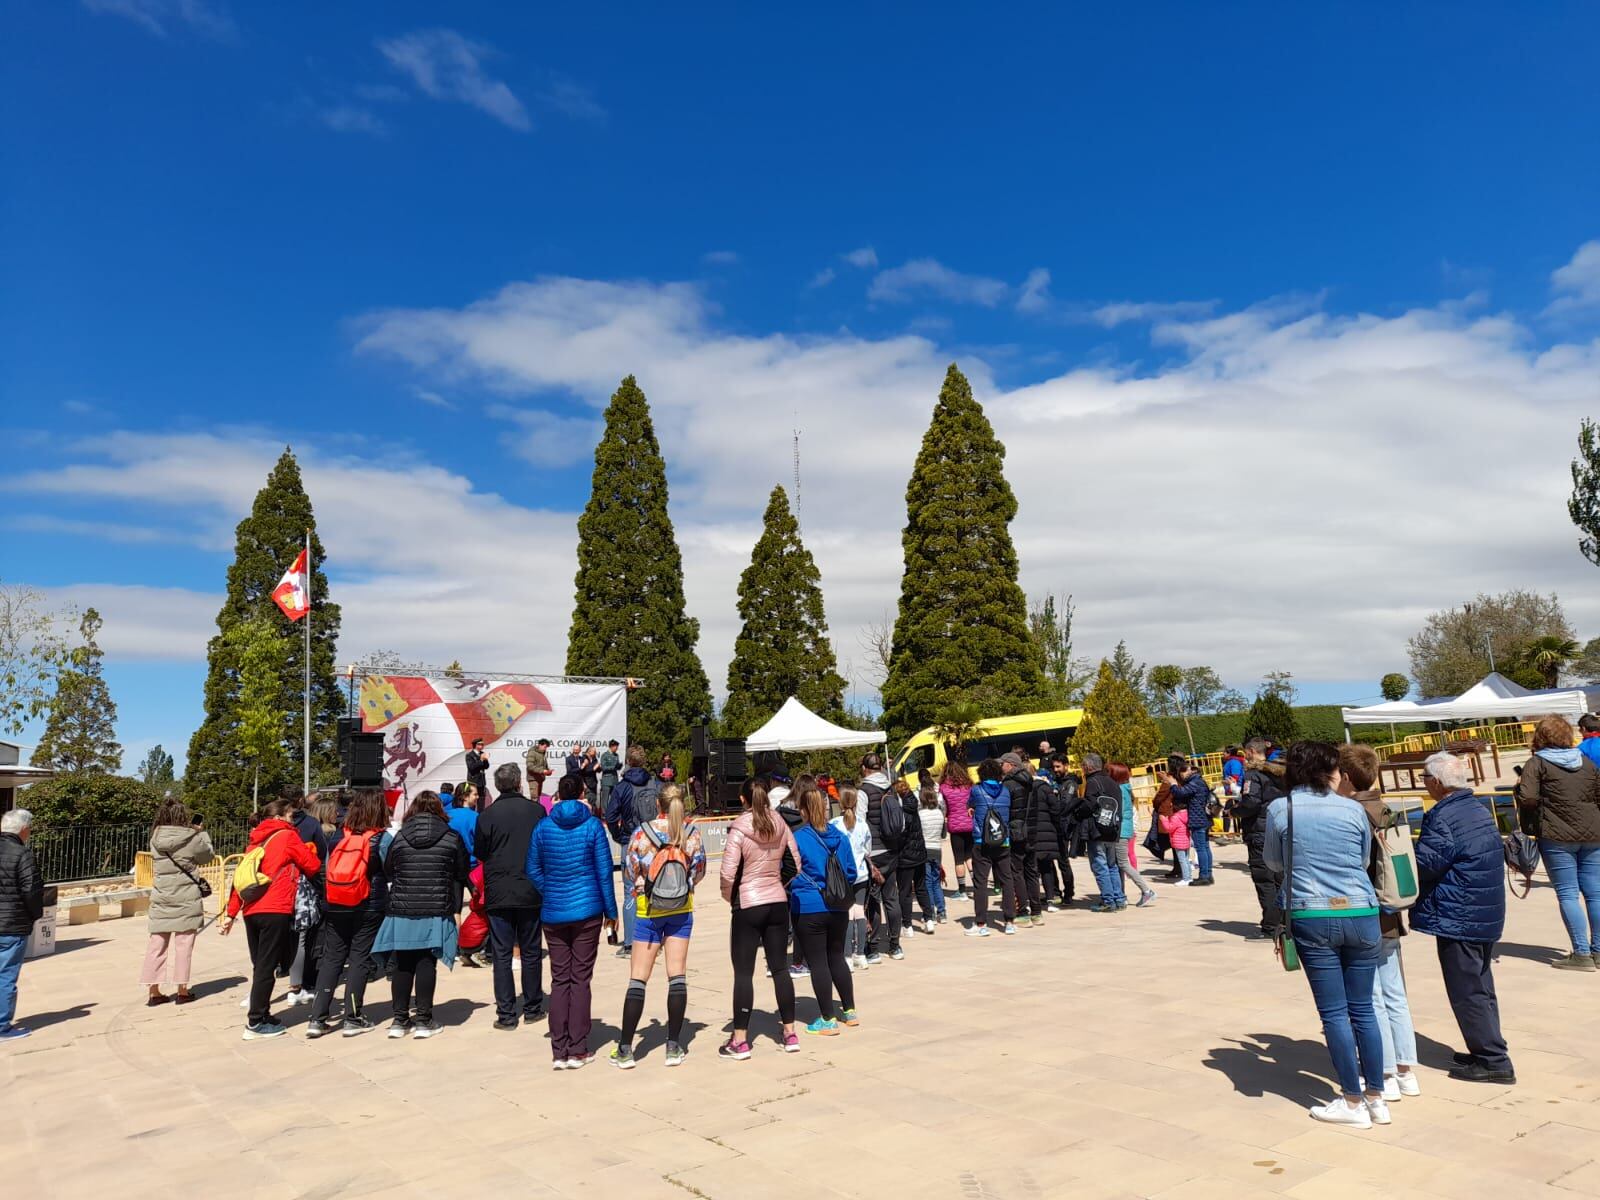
306	756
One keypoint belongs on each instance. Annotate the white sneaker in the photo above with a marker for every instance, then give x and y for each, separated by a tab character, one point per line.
1009	929
1337	1112
909	932
299	996
1052	908
980	931
559	1064
1391	1089
245	1003
1409	1085
1181	883
1379	1111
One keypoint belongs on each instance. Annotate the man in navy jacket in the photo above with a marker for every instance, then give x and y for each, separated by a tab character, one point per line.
1460	865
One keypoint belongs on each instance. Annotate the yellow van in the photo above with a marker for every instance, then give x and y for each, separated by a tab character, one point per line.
996	736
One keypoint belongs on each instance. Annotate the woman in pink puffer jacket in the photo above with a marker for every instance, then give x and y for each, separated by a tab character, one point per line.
752	883
955	789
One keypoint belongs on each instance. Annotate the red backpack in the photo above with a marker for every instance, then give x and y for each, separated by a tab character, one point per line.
348	884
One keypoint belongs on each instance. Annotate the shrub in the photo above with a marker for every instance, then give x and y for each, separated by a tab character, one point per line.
83	798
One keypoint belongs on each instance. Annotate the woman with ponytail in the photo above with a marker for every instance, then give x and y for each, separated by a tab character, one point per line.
752	883
661	856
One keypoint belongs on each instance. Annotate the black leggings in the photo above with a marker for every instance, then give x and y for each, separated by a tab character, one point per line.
823	935
345	951
913	883
764	927
418	966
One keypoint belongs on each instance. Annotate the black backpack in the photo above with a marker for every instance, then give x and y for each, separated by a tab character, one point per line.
837	893
891	818
994	831
644	801
1107	818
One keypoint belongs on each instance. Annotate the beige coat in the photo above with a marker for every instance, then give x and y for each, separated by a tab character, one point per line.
175	904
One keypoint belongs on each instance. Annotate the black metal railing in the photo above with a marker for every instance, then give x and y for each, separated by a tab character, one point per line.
68	853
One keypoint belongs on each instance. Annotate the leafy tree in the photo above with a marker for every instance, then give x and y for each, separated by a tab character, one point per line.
263	725
1394	686
81	733
1450	652
32	651
1116	724
782	649
1584	506
1548	656
157	769
1125	669
1050	624
1270	717
1190	691
963	619
220	773
1280	684
92	798
629	619
1587	665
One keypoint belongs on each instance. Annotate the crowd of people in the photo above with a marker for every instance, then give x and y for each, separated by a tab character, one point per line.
827	880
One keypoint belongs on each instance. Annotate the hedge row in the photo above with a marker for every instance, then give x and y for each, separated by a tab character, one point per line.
1321	721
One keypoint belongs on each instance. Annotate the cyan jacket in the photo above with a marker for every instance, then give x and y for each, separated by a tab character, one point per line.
569	861
805	889
1461	867
1332	843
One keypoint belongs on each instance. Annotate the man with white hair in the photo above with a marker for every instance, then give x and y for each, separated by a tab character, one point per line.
1461	868
21	904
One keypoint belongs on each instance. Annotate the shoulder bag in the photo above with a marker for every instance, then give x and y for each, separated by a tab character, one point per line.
1288	952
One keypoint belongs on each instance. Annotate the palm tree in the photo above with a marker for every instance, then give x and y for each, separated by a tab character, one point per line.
1548	655
956	725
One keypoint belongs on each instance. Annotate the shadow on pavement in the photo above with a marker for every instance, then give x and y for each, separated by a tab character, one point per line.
1538	954
1261	1063
42	1020
68	945
1241	929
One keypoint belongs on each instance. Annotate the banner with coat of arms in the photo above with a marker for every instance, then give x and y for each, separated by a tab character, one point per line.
429	723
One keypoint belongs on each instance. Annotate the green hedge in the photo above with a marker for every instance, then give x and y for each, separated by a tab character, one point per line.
1322	721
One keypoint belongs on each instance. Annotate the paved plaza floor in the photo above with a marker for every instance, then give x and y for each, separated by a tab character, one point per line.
1155	1053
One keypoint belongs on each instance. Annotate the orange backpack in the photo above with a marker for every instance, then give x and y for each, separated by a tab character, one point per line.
348	884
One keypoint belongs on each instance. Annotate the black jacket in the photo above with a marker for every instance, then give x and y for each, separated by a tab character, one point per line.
914	853
1024	801
1098	790
1262	785
477	764
504	830
1051	833
21	888
427	868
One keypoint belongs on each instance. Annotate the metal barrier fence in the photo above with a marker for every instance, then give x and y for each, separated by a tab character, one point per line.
69	853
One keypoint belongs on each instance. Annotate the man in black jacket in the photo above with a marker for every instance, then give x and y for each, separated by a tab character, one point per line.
1027	794
477	764
21	904
1100	804
1263	783
1052	835
510	900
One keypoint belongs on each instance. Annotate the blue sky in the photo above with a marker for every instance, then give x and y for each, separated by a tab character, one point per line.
1238	285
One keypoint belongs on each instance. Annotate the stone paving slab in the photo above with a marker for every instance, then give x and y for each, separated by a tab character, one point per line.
1155	1053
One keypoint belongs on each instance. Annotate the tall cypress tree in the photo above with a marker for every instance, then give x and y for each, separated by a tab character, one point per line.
963	620
628	618
81	734
783	648
218	778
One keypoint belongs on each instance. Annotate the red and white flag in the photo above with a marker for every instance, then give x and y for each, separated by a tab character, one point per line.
293	593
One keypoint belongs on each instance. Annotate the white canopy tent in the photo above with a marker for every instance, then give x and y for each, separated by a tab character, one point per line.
1492	697
796	727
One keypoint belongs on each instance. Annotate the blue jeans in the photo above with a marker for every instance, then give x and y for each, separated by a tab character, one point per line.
1202	849
1574	869
1341	957
11	949
1393	1010
935	888
1107	874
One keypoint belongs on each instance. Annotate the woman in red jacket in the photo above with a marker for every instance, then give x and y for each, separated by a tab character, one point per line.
269	919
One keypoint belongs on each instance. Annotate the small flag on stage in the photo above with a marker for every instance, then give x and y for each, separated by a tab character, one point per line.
293	593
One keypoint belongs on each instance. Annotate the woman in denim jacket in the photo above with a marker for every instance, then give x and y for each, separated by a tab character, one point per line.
1333	915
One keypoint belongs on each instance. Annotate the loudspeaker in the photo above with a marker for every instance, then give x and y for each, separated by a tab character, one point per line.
723	795
699	738
347	726
726	758
363	764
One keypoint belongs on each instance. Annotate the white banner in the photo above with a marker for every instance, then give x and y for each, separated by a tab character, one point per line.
429	724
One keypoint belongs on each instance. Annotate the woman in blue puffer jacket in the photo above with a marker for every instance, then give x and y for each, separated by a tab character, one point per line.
569	862
1461	869
990	796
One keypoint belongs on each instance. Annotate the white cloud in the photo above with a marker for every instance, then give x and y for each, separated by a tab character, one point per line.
1123	312
160	17
822	278
573	100
352	118
720	258
447	66
928	276
1274	458
1035	295
865	258
433	399
1577	285
545	438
